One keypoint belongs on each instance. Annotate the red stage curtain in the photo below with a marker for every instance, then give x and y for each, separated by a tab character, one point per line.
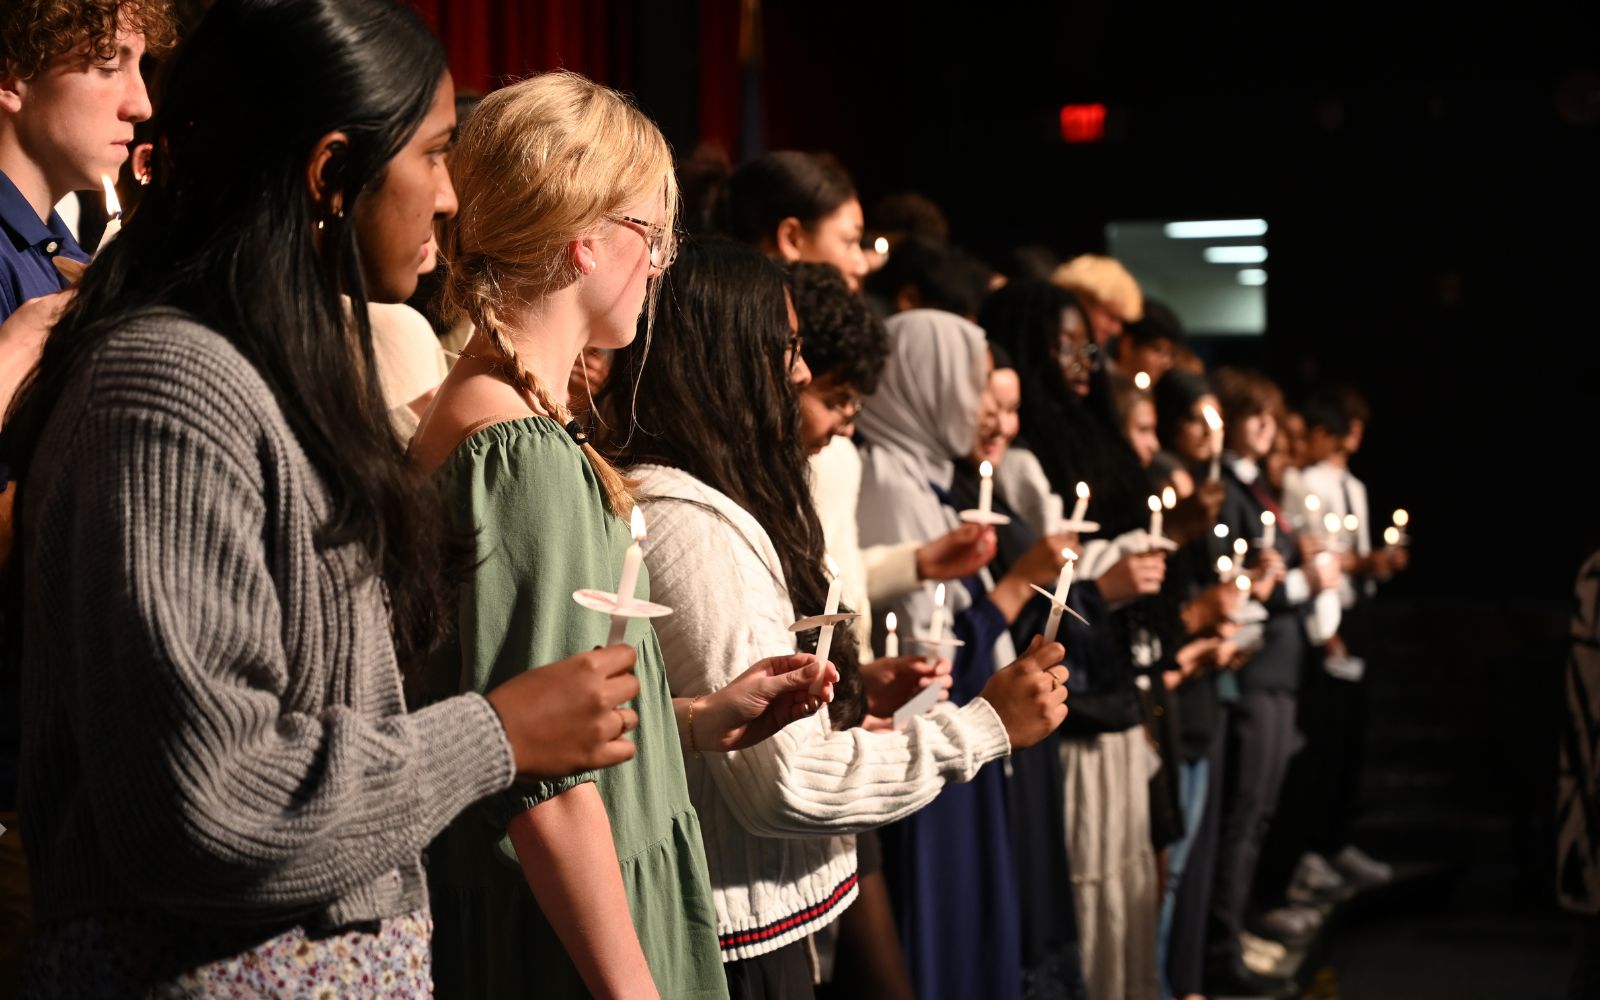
491	42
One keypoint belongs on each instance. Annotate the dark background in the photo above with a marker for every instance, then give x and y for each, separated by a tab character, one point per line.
1430	182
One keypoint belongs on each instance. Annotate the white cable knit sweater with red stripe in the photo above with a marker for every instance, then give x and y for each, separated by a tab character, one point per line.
779	818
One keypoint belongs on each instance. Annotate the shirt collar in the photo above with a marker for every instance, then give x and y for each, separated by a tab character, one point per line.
23	225
1244	468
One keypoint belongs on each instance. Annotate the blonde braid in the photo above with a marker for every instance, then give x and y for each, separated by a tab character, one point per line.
617	488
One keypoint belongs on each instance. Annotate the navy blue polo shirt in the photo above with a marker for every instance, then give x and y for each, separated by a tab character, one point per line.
26	252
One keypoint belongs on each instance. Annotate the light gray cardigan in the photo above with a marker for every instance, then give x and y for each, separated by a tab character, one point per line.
213	723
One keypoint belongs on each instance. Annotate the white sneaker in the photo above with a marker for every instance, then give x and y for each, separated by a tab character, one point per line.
1316	881
1261	946
1361	869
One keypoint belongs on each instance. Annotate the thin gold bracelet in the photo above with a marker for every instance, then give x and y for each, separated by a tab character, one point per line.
692	702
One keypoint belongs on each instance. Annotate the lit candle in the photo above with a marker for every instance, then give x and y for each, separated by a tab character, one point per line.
631	560
1224	567
1242	582
1352	524
1169	498
113	209
1220	530
985	488
1331	524
891	641
881	246
936	626
1214	421
1269	529
1063	584
1313	508
1241	548
825	637
1391	536
1141	380
1155	517
1401	520
1082	506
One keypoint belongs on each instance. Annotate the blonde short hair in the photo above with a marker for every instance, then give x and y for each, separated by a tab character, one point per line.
537	165
1104	280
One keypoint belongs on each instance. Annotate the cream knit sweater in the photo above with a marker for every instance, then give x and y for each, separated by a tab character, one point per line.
778	818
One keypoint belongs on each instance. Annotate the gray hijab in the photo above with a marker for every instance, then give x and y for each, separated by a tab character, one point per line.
923	417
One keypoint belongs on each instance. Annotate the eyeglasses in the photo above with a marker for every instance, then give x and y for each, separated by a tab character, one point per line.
793	350
663	242
847	405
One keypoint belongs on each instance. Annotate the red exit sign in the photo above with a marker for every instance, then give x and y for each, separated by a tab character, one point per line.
1083	122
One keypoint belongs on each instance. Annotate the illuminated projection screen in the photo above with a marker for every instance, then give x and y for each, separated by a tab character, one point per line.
1212	272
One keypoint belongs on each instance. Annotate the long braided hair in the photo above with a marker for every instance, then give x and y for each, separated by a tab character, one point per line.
537	165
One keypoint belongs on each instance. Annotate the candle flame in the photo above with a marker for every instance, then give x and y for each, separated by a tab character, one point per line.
1169	498
1240	547
890	621
1351	522
1243	583
1268	518
833	567
1155	504
1391	536
1141	380
1069	555
113	206
1313	502
1213	418
637	521
1224	564
938	596
1401	518
986	470
1221	531
1083	491
880	245
1330	521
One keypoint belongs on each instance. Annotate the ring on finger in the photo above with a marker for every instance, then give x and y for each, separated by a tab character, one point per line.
623	719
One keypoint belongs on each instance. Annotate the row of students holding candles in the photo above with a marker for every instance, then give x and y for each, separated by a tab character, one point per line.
805	614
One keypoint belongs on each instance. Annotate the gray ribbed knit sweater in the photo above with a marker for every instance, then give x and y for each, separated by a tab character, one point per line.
212	715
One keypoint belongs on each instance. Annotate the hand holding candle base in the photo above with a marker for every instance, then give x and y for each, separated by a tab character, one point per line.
1030	695
774	693
569	717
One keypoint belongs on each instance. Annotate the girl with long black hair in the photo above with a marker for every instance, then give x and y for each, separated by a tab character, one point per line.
736	550
223	559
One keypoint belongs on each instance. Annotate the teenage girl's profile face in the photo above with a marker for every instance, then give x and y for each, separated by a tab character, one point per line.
1140	430
394	224
614	290
836	239
1194	434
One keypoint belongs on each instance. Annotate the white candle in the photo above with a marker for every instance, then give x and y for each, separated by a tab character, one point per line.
113	209
1155	517
936	626
1269	529
891	641
1391	536
1063	585
985	488
631	560
1242	582
1082	506
1224	567
1214	421
1313	510
1401	519
825	637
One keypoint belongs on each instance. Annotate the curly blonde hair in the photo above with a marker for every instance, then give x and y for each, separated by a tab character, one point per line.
34	33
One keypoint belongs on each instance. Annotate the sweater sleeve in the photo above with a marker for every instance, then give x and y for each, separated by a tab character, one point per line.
730	610
212	789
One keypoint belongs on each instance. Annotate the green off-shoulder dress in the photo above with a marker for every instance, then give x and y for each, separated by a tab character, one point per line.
543	531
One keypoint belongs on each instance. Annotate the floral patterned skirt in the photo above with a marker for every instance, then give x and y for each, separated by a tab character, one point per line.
151	955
